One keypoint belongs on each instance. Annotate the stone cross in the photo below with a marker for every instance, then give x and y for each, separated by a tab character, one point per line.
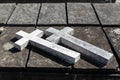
35	39
86	49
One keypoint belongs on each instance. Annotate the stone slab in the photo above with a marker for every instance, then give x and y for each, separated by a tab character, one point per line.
95	36
52	13
5	12
108	13
25	14
114	36
81	13
10	57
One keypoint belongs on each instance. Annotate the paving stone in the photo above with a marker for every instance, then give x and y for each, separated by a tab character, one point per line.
81	13
108	13
114	36
5	11
52	13
95	36
9	56
25	14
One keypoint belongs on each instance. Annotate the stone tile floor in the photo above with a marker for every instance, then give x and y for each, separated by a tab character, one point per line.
95	23
33	15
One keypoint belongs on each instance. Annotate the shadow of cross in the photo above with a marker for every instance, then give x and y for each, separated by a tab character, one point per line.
35	39
93	53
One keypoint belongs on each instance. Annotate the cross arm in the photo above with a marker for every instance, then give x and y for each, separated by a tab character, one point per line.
21	44
37	32
68	30
52	30
21	34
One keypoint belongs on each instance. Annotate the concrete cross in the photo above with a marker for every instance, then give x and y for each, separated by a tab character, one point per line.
35	40
86	49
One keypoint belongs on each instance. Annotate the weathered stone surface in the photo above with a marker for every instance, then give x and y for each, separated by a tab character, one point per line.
52	13
25	14
95	36
10	57
88	50
108	13
5	11
114	36
81	13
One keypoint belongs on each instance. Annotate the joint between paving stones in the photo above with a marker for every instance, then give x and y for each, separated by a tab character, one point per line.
108	40
66	10
96	14
38	15
28	56
10	14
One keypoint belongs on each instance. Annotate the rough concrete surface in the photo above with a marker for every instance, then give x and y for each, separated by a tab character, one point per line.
25	14
5	11
108	13
52	13
10	57
81	13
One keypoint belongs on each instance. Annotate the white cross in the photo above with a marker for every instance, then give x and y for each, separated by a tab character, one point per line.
35	40
87	50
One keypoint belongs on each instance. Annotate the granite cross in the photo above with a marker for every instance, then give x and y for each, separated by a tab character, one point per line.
35	39
86	49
